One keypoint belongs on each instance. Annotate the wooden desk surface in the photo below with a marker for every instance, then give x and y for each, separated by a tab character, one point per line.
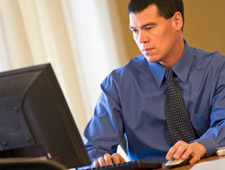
187	167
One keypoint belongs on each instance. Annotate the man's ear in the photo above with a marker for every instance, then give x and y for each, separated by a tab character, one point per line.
178	21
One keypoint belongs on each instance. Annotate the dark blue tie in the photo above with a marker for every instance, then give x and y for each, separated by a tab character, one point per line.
177	117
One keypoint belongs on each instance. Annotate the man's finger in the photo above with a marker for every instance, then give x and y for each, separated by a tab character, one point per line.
108	159
101	161
179	152
96	163
117	158
122	160
194	159
173	150
187	153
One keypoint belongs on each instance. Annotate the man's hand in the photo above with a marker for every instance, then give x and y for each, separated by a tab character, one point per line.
183	150
109	160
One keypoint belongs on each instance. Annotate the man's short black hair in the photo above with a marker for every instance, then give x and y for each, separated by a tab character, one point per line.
166	8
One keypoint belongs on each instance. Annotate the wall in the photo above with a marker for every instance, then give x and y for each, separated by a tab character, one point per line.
204	24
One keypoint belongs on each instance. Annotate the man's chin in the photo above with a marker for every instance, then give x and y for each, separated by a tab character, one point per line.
150	59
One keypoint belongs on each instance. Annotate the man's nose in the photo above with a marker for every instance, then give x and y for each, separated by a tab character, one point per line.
143	37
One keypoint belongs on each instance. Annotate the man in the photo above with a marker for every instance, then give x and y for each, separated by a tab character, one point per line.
133	96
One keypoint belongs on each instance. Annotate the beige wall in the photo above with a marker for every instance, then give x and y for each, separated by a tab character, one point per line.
121	30
204	26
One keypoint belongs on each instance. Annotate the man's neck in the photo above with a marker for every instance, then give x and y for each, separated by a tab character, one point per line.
175	54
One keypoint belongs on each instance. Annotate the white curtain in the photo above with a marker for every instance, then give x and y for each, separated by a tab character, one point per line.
75	36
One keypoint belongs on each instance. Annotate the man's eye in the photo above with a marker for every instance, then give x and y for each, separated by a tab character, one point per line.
148	28
134	30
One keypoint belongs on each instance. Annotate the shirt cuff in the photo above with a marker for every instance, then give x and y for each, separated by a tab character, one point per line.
94	154
209	144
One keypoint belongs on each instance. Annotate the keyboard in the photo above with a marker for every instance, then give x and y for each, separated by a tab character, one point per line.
131	165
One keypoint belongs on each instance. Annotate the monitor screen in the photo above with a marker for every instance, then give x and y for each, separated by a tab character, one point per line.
35	120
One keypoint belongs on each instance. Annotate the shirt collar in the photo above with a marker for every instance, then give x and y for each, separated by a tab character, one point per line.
181	68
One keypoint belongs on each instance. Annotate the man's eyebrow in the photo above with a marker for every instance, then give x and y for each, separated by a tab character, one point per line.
132	28
145	25
149	24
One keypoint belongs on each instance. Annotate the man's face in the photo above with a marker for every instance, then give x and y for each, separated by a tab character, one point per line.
155	36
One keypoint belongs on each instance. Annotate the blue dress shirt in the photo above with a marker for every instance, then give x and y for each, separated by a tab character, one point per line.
132	104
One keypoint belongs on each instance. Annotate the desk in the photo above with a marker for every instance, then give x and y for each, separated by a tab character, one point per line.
187	167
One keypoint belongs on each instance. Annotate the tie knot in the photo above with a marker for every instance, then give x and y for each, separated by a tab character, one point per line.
169	74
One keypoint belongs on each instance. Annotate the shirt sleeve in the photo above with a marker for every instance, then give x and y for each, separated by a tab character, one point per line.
104	131
214	137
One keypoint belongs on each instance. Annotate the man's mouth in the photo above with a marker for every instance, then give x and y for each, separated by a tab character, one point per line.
147	50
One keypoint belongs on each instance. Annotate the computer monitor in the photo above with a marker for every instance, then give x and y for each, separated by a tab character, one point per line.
35	120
